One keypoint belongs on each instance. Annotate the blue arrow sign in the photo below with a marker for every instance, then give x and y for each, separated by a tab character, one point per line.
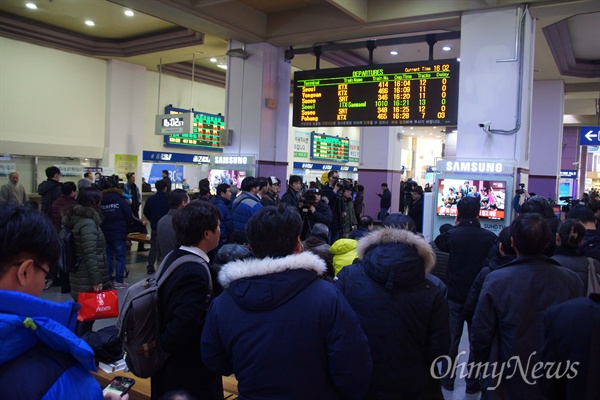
589	135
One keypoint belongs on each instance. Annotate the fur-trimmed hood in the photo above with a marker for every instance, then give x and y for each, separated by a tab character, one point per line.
263	284
396	257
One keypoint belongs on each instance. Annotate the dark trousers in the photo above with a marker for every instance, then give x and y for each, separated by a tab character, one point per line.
457	323
152	255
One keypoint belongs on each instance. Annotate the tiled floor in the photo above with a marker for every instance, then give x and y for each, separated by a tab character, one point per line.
136	263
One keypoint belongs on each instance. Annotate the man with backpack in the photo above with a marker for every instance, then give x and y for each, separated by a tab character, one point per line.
183	302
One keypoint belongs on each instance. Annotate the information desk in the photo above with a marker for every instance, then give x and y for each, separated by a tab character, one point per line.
141	389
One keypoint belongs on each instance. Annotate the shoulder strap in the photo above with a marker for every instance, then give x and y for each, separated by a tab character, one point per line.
162	277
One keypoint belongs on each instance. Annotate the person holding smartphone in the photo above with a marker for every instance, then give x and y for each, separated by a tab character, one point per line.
36	335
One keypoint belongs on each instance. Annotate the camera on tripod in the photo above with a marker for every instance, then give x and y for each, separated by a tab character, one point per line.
309	198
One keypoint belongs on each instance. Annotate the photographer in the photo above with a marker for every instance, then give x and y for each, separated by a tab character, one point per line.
349	222
415	210
521	197
313	210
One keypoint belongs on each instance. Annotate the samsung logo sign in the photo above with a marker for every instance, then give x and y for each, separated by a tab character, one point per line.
472	166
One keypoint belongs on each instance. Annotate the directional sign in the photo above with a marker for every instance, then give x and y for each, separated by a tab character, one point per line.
589	135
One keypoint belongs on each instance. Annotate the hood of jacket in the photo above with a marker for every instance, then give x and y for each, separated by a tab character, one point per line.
396	257
47	186
26	320
231	252
264	284
111	195
343	246
78	211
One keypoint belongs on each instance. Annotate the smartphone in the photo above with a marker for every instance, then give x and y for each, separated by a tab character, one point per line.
119	385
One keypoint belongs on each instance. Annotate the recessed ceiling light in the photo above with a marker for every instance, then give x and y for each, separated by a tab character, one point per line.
31	6
213	60
223	66
89	22
129	13
412	127
394	52
458	59
446	48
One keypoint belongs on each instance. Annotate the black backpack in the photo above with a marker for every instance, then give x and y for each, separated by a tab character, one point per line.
68	262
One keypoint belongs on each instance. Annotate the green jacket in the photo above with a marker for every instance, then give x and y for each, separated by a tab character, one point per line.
90	247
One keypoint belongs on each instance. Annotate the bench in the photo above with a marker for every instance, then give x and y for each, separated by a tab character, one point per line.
138	237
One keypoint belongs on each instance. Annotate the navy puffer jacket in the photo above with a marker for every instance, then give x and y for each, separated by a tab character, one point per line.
404	316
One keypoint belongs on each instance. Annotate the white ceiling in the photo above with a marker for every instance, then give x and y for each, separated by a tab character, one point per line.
306	23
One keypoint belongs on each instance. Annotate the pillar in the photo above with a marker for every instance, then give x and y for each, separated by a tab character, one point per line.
257	106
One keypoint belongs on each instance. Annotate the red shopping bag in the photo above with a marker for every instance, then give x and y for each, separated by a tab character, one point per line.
98	305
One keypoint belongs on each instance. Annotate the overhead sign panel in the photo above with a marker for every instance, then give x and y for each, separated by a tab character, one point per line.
416	93
589	135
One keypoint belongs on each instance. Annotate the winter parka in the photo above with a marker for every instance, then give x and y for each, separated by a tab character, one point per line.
404	315
90	248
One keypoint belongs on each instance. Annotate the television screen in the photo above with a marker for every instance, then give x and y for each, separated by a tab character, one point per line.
228	176
491	195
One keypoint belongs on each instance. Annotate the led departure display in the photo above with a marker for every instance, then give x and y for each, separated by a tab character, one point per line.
206	131
412	94
330	148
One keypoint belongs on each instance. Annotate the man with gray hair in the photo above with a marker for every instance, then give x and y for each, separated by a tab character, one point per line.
13	192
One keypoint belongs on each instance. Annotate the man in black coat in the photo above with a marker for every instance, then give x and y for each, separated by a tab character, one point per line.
50	190
468	245
183	306
386	201
591	240
415	211
156	207
332	192
507	328
572	330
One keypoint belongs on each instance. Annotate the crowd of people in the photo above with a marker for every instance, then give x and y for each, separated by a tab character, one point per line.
303	297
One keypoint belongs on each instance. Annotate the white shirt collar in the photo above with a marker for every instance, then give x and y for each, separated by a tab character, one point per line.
195	250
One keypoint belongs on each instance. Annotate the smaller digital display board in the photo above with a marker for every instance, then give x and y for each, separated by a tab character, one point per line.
206	131
329	148
417	93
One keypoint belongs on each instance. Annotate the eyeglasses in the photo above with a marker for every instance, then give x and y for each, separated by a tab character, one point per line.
48	279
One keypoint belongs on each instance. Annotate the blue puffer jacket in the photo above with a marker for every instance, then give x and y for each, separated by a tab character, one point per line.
117	214
244	206
40	356
226	222
285	333
404	315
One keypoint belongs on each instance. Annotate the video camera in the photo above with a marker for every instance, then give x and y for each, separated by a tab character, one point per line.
307	199
522	190
343	183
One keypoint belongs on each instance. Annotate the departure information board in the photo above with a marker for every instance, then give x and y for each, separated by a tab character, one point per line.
412	94
206	131
330	148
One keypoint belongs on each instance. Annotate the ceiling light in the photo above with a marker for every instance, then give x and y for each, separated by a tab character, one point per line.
213	60
394	52
129	13
89	22
31	6
223	66
458	59
412	127
446	48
